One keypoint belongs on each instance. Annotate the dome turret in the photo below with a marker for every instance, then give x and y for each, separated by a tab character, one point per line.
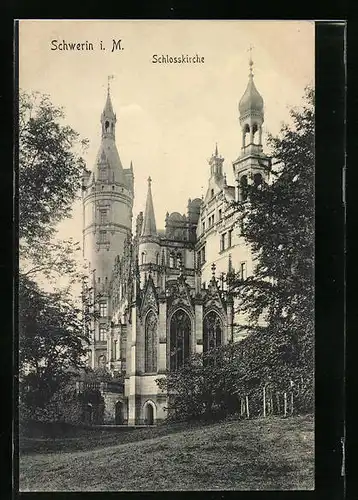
252	101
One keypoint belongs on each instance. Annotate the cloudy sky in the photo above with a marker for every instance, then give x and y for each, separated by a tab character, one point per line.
168	116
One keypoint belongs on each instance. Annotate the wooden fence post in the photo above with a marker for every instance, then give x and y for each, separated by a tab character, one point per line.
247	407
278	402
291	402
264	400
291	384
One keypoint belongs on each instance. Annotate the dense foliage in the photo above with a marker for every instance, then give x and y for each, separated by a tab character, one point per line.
50	167
51	334
272	370
232	379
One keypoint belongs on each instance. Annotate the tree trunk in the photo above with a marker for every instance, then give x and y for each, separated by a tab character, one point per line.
285	404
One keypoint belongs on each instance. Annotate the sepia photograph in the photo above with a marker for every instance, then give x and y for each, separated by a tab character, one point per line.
166	255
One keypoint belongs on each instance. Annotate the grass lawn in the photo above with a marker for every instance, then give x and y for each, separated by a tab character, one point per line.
259	454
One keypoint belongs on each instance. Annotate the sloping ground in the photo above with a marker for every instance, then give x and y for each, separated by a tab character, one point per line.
258	454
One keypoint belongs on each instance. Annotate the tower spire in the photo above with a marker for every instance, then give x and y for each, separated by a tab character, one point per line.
149	227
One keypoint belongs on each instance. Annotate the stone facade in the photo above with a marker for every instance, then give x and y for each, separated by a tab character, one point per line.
165	293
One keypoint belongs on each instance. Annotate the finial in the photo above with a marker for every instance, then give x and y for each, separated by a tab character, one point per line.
251	63
213	269
216	149
149	181
110	77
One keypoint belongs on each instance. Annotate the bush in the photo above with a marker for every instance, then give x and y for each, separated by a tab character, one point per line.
223	381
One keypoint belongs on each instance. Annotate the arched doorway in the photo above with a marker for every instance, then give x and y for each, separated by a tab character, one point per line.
149	414
118	418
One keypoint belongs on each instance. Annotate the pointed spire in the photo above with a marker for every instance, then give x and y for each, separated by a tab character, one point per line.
108	107
149	227
216	150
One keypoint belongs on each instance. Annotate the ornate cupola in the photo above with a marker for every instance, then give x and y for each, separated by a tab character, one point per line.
251	166
251	110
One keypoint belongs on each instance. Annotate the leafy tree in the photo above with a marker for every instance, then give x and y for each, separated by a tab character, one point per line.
51	335
278	222
52	342
50	167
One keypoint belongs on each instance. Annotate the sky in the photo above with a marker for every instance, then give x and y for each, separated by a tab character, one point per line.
169	117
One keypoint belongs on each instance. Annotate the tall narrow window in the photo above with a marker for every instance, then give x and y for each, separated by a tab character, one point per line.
244	187
257	180
103	310
223	242
229	240
103	173
103	216
179	260
212	331
102	333
180	330
102	236
203	227
220	214
243	270
150	360
143	258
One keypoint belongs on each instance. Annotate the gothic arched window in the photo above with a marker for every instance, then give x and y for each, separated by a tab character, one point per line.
257	180
254	130
244	186
213	331
180	330
150	359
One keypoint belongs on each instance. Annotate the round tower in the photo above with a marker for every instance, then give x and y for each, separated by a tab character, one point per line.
107	198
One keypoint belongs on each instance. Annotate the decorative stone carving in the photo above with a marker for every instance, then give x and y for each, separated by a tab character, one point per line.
150	300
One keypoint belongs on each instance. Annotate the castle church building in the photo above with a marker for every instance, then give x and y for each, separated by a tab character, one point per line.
163	294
